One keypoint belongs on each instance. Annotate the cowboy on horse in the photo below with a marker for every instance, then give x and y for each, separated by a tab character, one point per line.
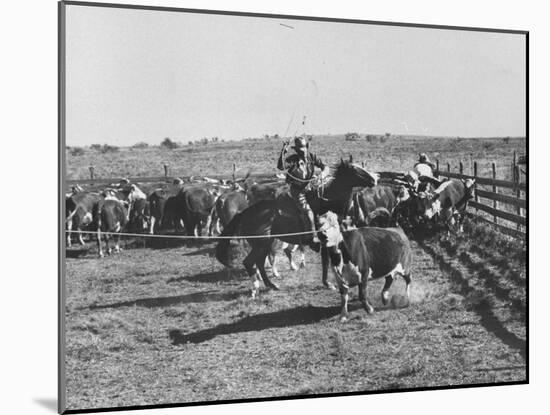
300	169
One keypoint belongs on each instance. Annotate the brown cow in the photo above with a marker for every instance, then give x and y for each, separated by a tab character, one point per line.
110	216
361	254
79	210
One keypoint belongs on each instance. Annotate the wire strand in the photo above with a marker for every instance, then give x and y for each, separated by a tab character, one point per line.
142	235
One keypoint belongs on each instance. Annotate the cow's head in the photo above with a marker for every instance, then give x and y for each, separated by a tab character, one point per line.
329	229
109	194
429	203
412	179
469	188
76	189
214	191
403	194
134	193
237	187
82	217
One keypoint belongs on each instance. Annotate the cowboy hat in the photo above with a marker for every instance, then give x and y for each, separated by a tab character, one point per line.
300	142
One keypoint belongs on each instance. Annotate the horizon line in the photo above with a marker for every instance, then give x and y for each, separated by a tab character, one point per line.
272	137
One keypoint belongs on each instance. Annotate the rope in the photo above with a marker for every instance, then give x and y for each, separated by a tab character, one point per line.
142	235
301	180
196	237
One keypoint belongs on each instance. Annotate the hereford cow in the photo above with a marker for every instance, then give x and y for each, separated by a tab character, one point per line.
408	212
194	206
411	203
372	204
226	207
162	209
448	203
139	217
361	254
162	205
79	212
110	216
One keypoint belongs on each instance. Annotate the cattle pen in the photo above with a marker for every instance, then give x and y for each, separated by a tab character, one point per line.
173	326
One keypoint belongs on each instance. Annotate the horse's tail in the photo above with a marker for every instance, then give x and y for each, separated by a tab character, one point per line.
222	249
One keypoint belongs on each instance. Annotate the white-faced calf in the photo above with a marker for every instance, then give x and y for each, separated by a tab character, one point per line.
358	255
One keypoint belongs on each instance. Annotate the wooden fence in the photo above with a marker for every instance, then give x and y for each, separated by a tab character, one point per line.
155	179
507	204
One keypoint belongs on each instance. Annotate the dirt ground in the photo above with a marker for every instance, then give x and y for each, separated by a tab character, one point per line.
165	323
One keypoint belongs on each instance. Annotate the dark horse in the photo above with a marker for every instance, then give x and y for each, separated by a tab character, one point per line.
268	217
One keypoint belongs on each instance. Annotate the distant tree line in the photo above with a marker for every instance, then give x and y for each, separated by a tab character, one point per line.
370	138
105	148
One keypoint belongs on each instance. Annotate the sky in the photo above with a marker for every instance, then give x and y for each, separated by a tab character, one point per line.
140	76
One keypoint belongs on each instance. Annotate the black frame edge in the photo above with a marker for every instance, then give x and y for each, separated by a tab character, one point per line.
289	398
61	380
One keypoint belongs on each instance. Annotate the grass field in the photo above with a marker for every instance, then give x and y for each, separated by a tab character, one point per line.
163	322
260	155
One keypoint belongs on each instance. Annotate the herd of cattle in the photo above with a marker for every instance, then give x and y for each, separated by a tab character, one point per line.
406	202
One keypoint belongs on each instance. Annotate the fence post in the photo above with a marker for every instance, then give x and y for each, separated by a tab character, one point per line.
234	172
475	184
461	168
514	164
448	167
166	170
518	191
92	172
495	190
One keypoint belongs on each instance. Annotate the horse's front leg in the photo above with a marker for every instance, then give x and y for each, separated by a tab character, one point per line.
288	250
260	264
324	262
251	270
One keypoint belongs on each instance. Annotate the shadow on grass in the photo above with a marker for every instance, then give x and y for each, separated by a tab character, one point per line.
284	318
203	250
76	253
173	241
483	307
200	297
169	240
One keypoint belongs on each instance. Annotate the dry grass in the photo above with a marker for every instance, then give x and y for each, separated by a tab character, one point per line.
155	326
261	156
